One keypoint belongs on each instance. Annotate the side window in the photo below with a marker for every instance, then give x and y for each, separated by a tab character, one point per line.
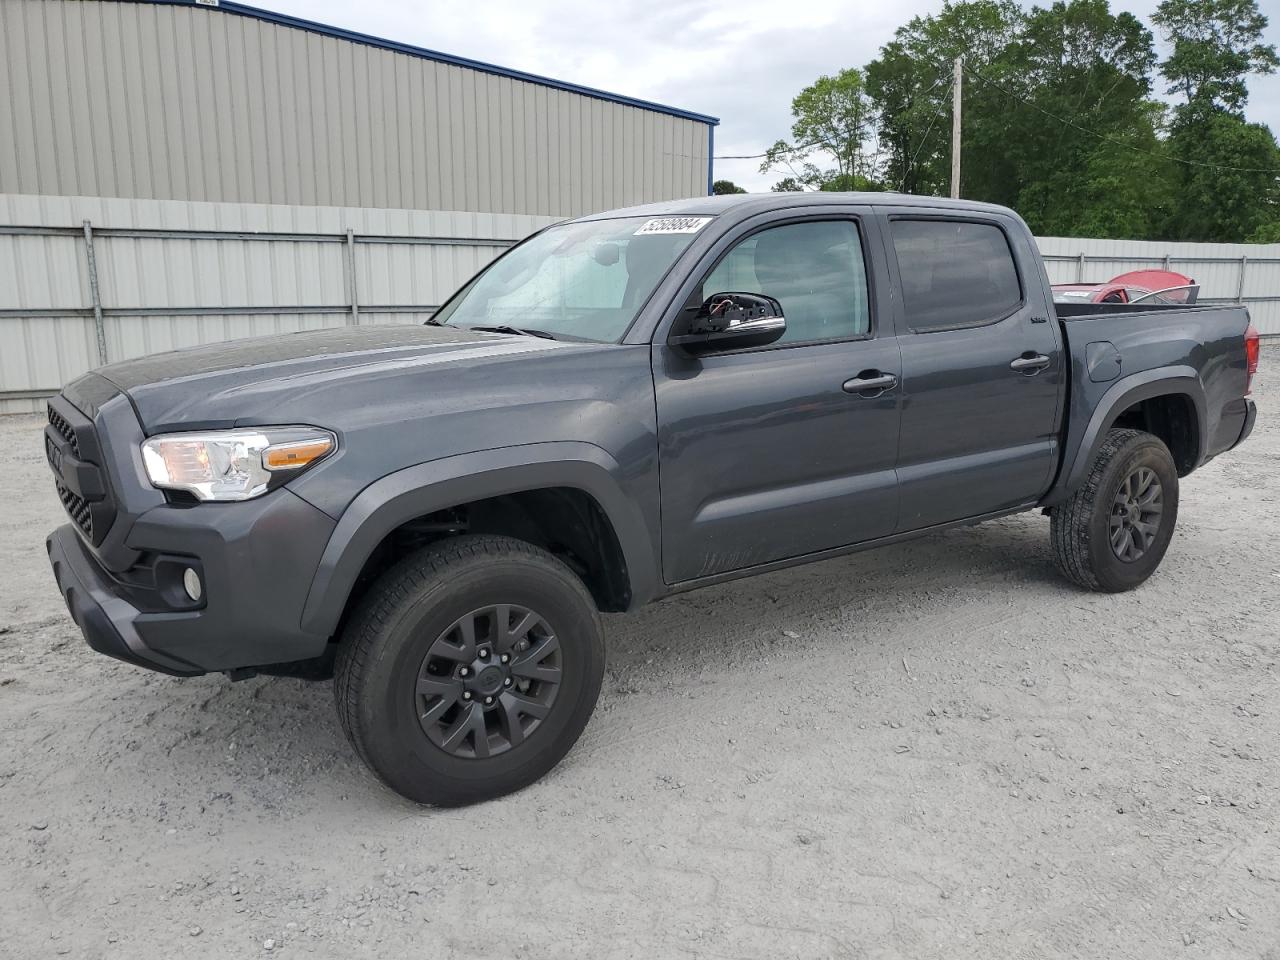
815	270
954	274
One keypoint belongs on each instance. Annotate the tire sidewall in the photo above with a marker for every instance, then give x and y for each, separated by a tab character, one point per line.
1113	573
399	749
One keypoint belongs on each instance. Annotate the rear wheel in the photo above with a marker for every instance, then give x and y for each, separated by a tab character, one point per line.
469	670
1114	531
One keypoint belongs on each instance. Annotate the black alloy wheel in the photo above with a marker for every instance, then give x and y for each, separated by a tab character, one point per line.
1136	514
488	681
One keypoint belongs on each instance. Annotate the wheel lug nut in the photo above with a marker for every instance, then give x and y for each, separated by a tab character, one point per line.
506	657
484	654
464	672
488	700
506	682
466	694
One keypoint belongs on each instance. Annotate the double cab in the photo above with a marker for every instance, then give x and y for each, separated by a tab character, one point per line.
620	408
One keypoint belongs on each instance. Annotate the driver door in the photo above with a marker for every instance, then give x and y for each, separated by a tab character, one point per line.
773	452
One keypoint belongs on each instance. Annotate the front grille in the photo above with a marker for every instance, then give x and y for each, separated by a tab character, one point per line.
64	429
81	491
77	509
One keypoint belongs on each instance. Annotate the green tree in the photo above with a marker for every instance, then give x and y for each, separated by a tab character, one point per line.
1125	190
832	119
722	187
1228	189
1058	121
845	182
910	87
1216	44
830	183
1269	232
1227	168
1081	130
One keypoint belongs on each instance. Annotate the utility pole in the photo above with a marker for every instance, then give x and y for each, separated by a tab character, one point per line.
956	84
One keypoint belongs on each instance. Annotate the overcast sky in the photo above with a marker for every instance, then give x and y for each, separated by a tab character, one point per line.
741	61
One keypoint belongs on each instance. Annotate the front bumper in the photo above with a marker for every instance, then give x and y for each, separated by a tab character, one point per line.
257	560
107	620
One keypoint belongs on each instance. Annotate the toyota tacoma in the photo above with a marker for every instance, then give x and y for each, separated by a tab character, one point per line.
620	408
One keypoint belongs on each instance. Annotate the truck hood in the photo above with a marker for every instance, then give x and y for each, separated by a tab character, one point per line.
255	380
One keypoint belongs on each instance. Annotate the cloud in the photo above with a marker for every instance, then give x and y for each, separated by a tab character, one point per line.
742	61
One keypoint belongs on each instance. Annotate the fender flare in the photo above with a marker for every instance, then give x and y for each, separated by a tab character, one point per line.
1125	392
438	484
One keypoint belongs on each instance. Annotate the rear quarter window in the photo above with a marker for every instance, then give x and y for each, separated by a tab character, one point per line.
954	273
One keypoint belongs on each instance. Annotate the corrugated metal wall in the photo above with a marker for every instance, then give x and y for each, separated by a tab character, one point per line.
162	101
174	274
1247	273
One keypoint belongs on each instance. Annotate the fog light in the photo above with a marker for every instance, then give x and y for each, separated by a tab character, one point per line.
191	583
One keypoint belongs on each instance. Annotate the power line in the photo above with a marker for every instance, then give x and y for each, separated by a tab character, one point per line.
759	156
925	138
818	143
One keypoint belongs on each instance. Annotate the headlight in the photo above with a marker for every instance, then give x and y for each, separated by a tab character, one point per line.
233	464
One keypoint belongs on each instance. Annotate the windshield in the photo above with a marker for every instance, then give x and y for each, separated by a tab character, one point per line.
580	281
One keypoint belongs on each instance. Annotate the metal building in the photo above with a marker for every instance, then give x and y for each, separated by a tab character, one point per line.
175	172
187	100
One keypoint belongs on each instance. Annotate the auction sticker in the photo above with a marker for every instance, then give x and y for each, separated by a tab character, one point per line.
673	225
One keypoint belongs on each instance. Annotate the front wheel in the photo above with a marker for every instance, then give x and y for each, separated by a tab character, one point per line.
469	669
1114	531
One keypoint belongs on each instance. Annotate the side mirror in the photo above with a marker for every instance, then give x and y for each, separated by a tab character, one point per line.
731	321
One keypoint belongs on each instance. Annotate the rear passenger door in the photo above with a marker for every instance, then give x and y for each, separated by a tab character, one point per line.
982	366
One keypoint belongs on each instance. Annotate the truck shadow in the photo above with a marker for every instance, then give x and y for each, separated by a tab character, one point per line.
990	563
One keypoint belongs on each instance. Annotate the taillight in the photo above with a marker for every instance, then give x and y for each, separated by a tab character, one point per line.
1252	347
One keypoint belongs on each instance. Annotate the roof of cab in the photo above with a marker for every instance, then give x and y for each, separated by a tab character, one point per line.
745	204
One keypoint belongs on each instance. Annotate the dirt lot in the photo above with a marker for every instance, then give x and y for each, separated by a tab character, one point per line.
934	750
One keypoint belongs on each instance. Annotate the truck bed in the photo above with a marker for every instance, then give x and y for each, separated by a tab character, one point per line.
1118	349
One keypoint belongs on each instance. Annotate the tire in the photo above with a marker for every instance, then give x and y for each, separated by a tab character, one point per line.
1084	527
406	648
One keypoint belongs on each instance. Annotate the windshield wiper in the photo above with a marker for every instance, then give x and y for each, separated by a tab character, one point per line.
518	331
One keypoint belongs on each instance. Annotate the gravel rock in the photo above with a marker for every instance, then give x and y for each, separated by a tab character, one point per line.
654	838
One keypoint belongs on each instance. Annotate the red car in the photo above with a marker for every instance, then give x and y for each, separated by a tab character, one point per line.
1139	286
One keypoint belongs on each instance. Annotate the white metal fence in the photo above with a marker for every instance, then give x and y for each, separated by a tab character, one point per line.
84	281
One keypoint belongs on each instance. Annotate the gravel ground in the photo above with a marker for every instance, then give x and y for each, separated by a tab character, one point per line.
938	749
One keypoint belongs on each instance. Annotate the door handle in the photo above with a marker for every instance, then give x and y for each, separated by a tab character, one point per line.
1029	363
871	380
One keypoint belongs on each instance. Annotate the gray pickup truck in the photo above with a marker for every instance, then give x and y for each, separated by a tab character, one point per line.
620	408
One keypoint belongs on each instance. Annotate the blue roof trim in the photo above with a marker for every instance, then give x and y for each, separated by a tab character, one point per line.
284	20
